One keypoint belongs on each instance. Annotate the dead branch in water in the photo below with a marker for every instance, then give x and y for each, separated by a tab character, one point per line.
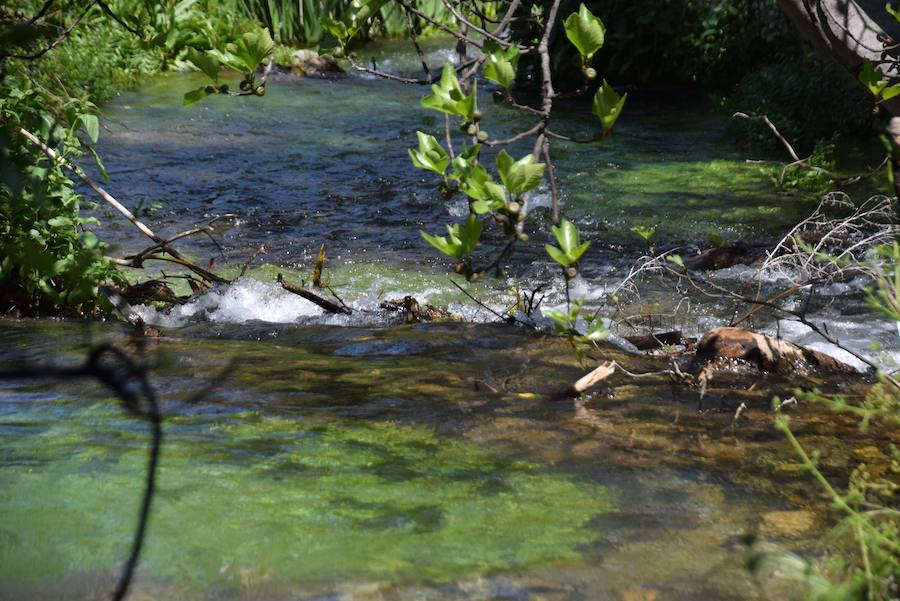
314	298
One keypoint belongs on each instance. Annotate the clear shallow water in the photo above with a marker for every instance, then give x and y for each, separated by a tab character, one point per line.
432	462
352	458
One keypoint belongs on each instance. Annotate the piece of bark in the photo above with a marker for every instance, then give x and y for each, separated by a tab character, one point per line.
600	373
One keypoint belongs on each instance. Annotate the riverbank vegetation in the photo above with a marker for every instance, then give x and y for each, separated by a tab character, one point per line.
528	59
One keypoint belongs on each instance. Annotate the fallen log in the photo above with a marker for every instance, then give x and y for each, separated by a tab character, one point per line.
764	352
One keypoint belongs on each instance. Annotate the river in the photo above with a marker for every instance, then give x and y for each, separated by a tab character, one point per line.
309	456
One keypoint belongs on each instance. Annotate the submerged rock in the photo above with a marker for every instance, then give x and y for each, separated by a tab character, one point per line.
786	524
307	63
722	257
415	312
764	352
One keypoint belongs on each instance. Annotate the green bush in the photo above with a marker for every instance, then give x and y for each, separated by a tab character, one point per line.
51	262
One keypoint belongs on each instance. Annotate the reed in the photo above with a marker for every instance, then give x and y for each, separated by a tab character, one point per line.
300	21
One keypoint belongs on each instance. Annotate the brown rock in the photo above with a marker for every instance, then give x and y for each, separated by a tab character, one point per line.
309	62
786	523
765	352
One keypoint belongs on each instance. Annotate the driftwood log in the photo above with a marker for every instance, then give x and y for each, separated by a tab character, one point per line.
766	353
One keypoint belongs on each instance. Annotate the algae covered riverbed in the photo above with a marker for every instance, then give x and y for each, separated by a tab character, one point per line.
414	462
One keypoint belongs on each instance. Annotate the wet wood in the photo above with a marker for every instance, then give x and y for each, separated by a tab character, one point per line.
658	340
312	297
599	374
764	352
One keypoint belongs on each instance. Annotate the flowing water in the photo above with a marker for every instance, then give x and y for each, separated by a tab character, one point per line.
320	457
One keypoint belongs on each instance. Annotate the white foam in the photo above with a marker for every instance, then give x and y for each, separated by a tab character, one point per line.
243	300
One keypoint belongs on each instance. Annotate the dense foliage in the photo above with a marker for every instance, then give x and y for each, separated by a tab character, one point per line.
54	71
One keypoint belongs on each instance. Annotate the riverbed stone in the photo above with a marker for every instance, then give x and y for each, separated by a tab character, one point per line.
309	62
781	524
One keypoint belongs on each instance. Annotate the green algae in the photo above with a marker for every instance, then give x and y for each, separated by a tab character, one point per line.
334	500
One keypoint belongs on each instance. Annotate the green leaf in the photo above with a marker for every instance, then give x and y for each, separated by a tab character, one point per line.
596	330
470	233
892	11
99	164
461	238
676	259
644	232
570	248
366	11
91	125
890	91
500	65
872	78
60	222
585	31
195	96
519	176
337	29
608	105
251	49
557	255
430	156
447	96
89	240
465	162
205	62
442	244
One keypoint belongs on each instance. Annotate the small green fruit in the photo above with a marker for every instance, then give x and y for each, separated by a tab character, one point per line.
260	90
482	136
514	207
472	129
523	237
210	90
477	116
223	89
571	272
464	127
245	86
590	73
